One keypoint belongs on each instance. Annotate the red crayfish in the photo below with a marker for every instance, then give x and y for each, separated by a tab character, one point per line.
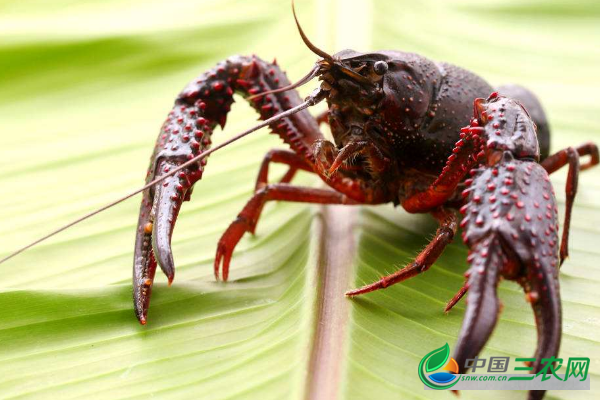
397	121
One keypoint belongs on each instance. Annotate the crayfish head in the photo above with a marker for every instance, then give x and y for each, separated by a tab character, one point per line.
354	79
353	83
349	78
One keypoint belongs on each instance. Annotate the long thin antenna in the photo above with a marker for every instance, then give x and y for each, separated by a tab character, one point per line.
306	78
311	100
306	41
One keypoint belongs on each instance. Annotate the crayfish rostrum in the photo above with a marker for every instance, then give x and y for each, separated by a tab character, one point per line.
398	122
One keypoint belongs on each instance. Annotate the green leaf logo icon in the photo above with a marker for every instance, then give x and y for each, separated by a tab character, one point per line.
438	358
433	361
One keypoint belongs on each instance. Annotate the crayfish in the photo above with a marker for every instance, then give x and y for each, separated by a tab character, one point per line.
398	123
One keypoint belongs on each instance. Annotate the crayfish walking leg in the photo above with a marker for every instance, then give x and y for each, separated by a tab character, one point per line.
248	218
443	236
558	160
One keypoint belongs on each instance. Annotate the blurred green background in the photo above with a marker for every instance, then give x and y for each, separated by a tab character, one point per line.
84	88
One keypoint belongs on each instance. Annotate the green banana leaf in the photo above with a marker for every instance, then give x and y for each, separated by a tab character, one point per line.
84	88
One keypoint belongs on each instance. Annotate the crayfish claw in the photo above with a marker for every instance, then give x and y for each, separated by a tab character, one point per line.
543	294
542	291
202	105
511	227
162	202
144	264
483	305
153	242
167	203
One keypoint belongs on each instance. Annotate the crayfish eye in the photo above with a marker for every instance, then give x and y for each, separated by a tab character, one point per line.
380	67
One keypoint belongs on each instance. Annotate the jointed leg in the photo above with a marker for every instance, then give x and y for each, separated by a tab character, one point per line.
293	160
347	191
424	260
464	156
588	149
459	295
247	219
557	161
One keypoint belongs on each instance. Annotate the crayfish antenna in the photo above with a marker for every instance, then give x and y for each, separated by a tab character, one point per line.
307	42
305	79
